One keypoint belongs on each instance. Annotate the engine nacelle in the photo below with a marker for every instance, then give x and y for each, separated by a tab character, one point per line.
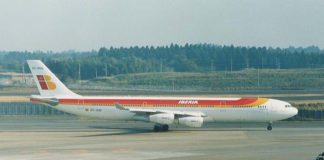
191	121
162	118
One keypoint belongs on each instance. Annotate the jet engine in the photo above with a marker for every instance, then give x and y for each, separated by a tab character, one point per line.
191	121
162	118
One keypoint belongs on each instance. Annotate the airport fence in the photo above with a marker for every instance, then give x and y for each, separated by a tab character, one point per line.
28	108
304	114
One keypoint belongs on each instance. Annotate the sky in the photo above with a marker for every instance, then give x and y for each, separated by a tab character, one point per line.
84	25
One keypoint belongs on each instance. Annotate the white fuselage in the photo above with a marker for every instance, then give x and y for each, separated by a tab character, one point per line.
272	110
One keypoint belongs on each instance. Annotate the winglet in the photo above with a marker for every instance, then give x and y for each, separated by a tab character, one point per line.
120	107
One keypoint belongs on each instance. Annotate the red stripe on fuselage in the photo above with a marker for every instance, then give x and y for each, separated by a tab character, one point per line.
241	101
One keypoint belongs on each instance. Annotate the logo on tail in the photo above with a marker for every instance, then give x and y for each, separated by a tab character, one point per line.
45	82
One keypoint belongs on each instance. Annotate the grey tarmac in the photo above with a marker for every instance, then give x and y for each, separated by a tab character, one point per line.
68	137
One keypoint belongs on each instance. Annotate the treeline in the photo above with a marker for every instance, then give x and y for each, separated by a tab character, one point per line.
252	79
15	61
173	58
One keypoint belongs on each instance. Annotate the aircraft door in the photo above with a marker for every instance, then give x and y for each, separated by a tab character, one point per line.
270	110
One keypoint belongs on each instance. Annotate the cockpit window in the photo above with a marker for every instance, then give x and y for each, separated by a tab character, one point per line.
288	105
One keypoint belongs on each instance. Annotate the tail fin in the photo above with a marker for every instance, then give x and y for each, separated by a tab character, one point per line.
47	83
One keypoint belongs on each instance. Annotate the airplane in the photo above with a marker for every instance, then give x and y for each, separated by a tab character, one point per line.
163	111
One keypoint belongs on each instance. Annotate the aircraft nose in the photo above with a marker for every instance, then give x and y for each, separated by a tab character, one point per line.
294	111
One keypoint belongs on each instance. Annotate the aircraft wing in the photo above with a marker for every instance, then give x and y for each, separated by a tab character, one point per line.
154	111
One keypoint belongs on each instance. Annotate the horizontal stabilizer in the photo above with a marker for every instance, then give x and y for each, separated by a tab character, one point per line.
48	101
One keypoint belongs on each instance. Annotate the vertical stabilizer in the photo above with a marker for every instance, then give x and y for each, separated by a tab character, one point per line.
47	83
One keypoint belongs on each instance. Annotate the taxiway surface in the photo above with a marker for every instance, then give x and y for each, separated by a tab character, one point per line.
65	137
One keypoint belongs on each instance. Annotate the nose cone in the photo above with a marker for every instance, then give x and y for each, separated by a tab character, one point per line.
290	112
294	111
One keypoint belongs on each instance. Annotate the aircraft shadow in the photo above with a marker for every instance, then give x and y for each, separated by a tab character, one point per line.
132	131
120	131
220	129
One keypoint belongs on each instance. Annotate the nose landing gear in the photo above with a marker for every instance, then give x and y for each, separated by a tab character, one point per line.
269	127
161	128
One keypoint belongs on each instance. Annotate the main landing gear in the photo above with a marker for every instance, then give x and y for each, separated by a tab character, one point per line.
161	128
269	127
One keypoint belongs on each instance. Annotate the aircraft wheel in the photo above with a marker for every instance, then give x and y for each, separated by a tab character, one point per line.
165	128
269	128
156	128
